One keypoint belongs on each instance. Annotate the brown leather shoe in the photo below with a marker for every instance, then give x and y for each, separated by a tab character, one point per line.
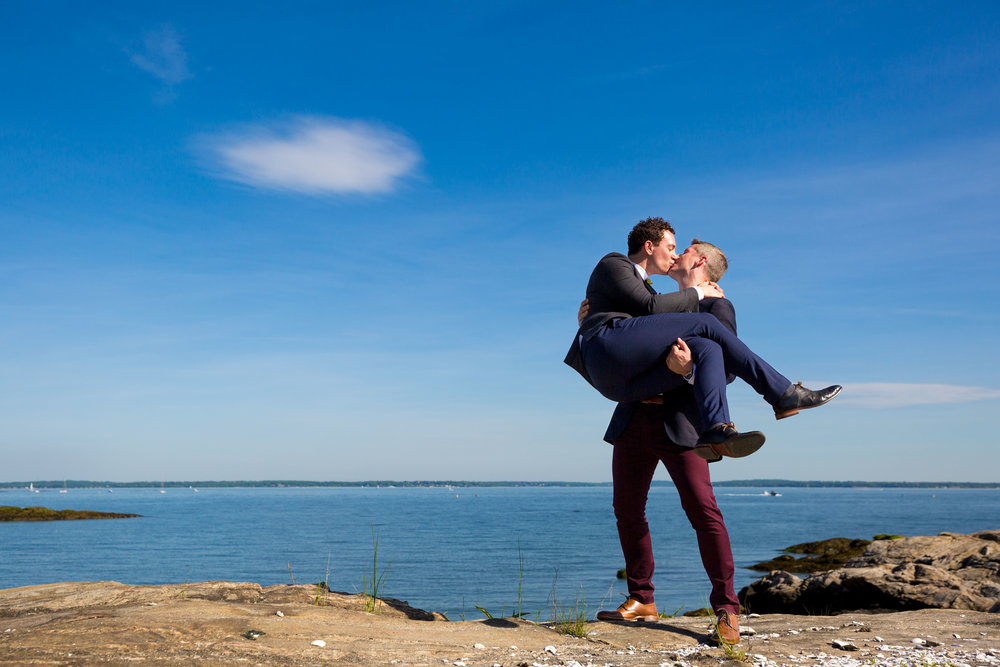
727	628
631	610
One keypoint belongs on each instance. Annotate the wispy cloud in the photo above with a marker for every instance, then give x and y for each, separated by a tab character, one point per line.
162	56
900	394
315	156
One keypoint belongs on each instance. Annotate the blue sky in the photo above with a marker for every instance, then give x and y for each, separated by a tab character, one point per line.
348	242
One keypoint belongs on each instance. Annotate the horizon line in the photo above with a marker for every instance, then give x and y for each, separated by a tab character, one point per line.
466	483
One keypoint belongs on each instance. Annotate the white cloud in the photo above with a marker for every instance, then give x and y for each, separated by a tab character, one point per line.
900	394
162	56
316	156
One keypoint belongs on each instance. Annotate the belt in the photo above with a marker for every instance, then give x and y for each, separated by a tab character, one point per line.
654	400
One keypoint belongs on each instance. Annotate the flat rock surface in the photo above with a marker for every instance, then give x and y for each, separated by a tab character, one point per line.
206	623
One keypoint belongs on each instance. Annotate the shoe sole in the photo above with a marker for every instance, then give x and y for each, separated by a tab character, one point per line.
647	619
794	411
742	445
706	453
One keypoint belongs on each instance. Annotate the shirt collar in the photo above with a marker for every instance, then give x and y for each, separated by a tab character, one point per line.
641	271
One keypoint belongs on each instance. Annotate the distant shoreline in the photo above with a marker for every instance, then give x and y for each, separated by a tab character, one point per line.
206	484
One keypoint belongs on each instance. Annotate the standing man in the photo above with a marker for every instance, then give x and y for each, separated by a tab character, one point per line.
666	429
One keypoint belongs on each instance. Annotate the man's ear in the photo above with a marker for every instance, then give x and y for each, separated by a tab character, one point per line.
648	247
702	261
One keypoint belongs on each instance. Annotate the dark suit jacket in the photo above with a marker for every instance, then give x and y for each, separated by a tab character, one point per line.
680	413
616	290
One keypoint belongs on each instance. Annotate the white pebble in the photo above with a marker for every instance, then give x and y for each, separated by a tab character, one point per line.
318	642
918	641
278	613
793	632
551	649
747	630
458	663
955	635
479	646
844	645
753	616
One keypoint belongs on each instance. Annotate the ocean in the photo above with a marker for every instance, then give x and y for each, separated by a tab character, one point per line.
448	549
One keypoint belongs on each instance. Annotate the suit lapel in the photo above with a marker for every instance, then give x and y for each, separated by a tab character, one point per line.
646	282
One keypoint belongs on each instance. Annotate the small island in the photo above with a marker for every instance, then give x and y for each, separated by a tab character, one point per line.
10	513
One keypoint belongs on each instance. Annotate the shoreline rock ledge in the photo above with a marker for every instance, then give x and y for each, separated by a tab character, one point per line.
947	571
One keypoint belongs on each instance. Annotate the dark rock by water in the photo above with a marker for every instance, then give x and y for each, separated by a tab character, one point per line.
10	513
822	555
949	571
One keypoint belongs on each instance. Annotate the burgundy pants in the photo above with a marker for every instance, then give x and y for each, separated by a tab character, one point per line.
637	451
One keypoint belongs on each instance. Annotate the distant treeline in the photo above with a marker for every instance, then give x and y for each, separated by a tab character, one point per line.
767	483
760	483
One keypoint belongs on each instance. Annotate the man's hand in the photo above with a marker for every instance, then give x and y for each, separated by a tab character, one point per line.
679	359
708	288
584	309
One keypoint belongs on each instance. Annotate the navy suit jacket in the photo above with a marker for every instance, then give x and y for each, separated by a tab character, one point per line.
680	413
616	290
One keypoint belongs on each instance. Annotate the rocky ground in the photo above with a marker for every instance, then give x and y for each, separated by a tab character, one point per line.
218	623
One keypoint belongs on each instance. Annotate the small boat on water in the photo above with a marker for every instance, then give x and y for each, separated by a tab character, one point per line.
770	493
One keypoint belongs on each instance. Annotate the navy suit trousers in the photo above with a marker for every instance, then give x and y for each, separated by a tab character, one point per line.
626	361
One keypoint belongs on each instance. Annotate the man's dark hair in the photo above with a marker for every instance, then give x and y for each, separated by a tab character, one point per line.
650	229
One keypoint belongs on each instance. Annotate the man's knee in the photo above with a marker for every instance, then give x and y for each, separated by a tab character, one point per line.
704	518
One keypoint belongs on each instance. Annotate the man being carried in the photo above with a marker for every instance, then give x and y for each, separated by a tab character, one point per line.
623	342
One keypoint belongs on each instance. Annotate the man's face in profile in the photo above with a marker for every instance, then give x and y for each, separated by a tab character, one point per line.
686	261
663	255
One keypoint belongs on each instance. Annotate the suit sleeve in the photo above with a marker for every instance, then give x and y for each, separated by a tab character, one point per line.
726	314
622	287
723	310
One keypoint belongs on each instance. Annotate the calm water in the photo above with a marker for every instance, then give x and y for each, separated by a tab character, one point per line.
448	550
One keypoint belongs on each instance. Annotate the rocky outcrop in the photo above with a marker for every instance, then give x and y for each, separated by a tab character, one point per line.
10	513
822	555
949	571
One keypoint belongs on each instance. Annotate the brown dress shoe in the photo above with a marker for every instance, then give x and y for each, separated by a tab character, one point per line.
631	610
727	628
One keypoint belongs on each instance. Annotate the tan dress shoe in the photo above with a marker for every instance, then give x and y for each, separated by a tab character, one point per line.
630	610
727	628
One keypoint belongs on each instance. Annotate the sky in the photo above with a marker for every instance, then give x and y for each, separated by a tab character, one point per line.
347	241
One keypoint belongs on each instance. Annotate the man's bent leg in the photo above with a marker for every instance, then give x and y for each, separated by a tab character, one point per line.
690	475
624	349
632	469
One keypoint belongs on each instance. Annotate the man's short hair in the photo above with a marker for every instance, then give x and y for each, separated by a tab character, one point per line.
650	229
717	264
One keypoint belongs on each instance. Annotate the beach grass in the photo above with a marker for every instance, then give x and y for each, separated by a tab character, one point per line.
373	581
